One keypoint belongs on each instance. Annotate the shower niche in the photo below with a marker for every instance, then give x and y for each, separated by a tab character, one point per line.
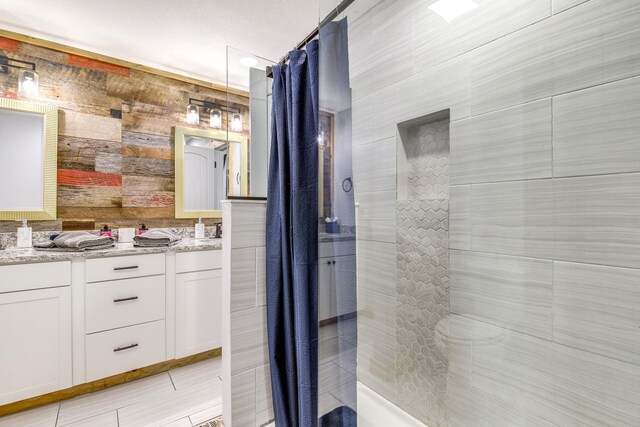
422	261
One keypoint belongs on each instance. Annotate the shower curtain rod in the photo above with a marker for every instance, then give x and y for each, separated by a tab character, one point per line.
344	4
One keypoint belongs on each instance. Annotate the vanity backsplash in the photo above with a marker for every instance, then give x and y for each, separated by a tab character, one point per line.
9	240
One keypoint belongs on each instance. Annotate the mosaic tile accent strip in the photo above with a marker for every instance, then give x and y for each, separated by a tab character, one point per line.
427	150
422	308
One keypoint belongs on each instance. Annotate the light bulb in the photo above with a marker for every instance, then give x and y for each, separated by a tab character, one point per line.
236	123
193	114
28	83
216	119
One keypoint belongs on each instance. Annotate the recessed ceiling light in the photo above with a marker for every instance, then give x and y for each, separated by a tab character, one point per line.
248	61
451	9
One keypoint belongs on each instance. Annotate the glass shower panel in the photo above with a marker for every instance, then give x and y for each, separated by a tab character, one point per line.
336	219
496	179
249	135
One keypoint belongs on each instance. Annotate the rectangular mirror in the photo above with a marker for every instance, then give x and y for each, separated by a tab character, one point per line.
28	149
209	165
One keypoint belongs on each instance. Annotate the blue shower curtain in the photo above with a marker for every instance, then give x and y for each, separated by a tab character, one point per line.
292	240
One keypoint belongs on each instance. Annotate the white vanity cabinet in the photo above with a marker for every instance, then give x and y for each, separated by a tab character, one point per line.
336	279
124	314
198	302
35	330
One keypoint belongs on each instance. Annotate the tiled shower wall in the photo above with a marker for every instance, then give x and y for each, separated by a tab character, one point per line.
544	102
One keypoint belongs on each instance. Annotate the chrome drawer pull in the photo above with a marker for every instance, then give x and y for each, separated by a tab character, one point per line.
132	267
125	299
115	350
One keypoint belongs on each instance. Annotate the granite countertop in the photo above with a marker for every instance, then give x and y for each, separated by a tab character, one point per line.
324	237
22	256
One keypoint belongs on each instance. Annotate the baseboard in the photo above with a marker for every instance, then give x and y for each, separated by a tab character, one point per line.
103	383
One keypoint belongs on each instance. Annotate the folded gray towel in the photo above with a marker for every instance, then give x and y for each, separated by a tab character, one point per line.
156	238
71	241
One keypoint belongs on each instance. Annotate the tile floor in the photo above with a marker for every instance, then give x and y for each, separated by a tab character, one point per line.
183	397
187	396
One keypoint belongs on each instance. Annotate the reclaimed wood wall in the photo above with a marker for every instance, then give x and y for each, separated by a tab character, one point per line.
115	145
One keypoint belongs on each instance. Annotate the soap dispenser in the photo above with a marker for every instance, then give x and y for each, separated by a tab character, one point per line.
143	229
199	229
25	235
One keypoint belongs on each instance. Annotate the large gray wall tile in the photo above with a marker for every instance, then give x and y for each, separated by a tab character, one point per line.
376	216
261	276
377	341
562	385
443	87
264	401
506	145
460	217
374	166
243	394
377	266
561	5
244	224
436	41
579	48
513	218
596	131
596	219
597	309
381	48
248	339
243	279
515	293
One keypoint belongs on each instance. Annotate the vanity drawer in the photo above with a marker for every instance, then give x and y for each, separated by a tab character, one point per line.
119	303
23	277
198	261
121	350
124	267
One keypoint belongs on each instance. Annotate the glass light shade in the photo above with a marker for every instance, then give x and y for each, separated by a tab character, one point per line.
216	119
28	83
236	123
193	114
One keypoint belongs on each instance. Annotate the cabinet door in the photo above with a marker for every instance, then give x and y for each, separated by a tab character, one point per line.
344	284
198	312
325	284
35	343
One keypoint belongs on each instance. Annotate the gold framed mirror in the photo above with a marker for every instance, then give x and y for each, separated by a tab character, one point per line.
209	165
29	149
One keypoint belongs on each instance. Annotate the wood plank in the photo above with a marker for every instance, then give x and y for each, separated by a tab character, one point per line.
94	64
83	178
147	183
34	51
110	163
104	383
80	153
9	45
145	88
147	167
148	199
89	126
114	213
147	152
11	226
146	140
71	195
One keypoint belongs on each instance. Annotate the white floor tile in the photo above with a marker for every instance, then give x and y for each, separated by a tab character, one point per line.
89	405
110	419
182	422
172	406
41	417
189	375
206	415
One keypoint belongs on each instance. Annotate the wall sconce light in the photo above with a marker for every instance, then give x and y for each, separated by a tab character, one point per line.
236	123
28	79
193	114
28	83
215	120
215	112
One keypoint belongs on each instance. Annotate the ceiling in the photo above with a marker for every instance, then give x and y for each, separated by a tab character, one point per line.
187	37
